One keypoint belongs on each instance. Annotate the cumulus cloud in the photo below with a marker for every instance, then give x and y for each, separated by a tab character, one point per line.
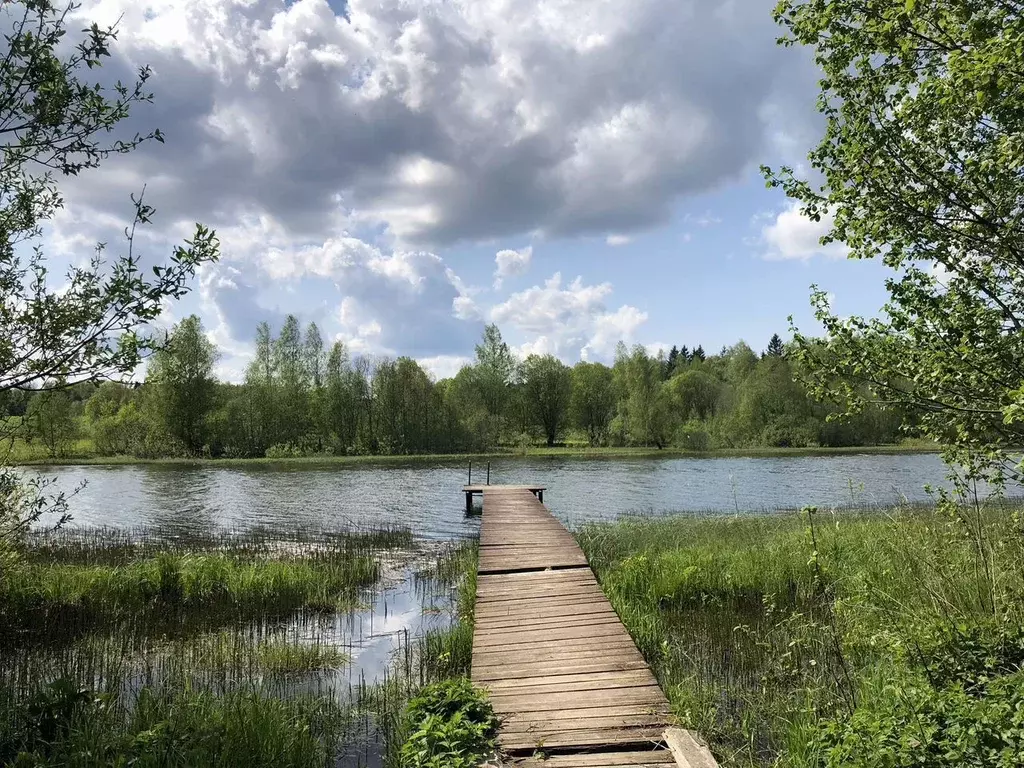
568	321
794	236
616	240
444	366
338	149
445	121
510	263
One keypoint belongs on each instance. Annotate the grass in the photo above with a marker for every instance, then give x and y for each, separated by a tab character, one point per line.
811	640
154	649
68	726
88	457
80	580
217	649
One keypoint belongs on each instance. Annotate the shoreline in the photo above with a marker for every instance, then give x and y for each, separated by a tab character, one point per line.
465	458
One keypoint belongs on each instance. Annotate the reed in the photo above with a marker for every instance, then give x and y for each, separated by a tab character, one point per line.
784	639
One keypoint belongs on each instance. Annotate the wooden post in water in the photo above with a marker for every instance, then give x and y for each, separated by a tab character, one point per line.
488	473
470	481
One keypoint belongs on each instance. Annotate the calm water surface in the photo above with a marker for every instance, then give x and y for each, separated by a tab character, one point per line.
428	499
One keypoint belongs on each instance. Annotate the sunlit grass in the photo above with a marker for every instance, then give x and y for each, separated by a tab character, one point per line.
763	629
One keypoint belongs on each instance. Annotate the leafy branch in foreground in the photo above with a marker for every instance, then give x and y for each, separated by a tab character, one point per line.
920	165
53	122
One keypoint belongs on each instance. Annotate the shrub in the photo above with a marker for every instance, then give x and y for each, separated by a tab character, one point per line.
452	725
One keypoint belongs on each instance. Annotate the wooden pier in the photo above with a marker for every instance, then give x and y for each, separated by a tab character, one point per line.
562	672
478	490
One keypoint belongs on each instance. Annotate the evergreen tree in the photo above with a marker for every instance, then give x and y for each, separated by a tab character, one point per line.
673	358
698	353
775	347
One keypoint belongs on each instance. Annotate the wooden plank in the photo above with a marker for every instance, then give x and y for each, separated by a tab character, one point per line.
582	739
688	750
641	695
644	759
625	710
578	683
506	644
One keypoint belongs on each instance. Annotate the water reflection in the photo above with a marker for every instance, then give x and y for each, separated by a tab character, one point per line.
427	497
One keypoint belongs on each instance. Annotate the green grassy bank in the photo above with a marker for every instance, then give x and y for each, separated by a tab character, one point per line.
21	455
155	649
883	639
163	650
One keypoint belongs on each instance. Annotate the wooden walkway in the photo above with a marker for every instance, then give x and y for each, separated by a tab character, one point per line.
562	672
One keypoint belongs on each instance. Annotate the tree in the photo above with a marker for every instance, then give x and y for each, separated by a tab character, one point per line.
920	165
291	381
775	347
316	373
54	122
51	417
260	397
496	369
114	421
547	384
593	400
342	408
698	354
641	402
673	358
181	374
695	393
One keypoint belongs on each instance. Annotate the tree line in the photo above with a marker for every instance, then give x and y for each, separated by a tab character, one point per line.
303	397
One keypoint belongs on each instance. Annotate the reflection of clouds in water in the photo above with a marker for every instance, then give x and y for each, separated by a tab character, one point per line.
428	499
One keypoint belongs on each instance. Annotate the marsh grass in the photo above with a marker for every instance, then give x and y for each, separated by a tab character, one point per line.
152	648
434	657
75	581
785	638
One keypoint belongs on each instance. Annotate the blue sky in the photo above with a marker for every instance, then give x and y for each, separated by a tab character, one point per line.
578	171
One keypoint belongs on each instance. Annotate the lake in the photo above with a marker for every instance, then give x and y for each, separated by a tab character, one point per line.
427	497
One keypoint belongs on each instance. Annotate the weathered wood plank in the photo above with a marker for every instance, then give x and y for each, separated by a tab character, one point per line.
582	739
644	759
641	695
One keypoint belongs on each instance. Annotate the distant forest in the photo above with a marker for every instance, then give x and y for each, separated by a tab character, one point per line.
302	398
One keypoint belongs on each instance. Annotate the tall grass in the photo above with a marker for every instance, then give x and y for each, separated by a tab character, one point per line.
144	648
71	582
786	638
437	656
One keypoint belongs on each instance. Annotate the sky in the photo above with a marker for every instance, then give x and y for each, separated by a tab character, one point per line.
401	173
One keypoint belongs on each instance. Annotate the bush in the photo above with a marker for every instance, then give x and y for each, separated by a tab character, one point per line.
693	436
452	725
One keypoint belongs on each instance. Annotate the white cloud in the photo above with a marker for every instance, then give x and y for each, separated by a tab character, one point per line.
439	122
511	263
337	153
794	236
706	219
444	366
568	321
